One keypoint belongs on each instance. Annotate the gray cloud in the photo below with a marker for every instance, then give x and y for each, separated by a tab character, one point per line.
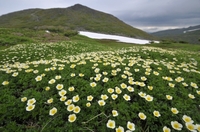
159	15
149	15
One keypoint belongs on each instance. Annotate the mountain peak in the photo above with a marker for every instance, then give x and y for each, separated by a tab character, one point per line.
78	6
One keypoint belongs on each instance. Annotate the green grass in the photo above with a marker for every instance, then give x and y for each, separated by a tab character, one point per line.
179	46
140	76
13	36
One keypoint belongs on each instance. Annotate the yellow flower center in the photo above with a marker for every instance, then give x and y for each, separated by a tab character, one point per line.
118	130
130	126
70	107
176	125
190	126
166	130
30	107
72	118
187	119
111	124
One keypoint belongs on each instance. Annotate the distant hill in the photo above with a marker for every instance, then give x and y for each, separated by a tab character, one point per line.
77	17
190	34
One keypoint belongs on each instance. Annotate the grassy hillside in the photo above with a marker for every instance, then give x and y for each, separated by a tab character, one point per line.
77	17
99	85
12	36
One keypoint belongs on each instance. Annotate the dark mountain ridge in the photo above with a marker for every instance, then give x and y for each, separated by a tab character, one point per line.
176	31
190	34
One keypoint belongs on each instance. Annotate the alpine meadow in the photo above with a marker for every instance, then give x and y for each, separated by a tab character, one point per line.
52	79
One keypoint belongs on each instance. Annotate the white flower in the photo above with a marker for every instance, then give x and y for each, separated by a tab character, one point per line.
93	84
191	127
53	111
114	113
49	101
187	119
71	89
72	118
15	74
123	86
52	81
59	86
142	116
63	98
101	102
30	107
114	96
174	110
62	92
130	89
110	90
176	125
149	98
5	83
111	124
104	96
70	107
169	97
31	101
105	79
191	96
166	129
58	77
68	102
77	109
89	98
76	98
131	126
156	113
23	99
194	85
118	90
127	97
198	127
119	129
88	104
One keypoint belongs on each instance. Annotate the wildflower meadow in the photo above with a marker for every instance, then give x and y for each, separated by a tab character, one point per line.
73	86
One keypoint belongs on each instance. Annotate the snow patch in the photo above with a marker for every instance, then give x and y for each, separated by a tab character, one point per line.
191	30
47	31
115	37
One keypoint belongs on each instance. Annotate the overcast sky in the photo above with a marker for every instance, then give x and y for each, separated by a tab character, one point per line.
148	15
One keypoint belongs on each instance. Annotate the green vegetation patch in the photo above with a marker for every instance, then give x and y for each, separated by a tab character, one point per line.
76	86
13	36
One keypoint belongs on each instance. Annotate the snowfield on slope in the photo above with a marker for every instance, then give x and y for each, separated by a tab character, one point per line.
114	37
